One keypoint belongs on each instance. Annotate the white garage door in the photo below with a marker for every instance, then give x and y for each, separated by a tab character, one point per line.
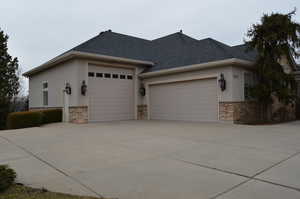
187	101
110	94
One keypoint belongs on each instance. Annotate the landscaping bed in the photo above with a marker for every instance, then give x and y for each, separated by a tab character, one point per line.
23	192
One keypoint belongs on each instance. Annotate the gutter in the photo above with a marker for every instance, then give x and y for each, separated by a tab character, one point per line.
214	64
78	54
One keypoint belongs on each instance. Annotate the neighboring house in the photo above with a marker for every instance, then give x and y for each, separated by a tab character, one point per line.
175	77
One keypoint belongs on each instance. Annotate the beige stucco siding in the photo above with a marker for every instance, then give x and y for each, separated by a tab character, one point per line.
71	71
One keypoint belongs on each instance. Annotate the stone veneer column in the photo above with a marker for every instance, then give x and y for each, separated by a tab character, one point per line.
226	110
79	114
142	112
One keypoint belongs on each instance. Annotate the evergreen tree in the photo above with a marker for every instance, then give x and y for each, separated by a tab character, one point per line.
9	80
276	37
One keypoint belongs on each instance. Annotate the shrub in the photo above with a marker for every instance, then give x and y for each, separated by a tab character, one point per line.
33	118
7	177
24	119
51	116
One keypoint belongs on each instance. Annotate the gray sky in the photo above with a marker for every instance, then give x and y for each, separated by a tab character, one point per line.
40	30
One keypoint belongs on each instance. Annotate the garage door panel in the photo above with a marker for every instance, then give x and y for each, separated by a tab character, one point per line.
110	98
188	101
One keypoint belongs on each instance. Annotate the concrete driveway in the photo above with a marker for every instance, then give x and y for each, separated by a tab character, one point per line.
152	159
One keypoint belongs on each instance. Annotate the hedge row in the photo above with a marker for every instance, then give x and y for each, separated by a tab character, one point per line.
33	118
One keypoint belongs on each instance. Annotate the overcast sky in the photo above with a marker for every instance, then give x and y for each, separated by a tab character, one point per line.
40	30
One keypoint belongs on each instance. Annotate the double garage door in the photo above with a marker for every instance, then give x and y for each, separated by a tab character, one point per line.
186	101
110	94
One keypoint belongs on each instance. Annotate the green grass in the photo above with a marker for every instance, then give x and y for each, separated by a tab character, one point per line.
23	192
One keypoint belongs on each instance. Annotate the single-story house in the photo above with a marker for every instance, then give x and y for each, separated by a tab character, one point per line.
119	77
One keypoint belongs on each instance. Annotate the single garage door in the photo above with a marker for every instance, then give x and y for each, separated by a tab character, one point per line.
187	101
110	94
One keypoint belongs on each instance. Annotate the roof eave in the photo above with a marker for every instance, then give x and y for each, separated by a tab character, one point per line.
214	64
84	55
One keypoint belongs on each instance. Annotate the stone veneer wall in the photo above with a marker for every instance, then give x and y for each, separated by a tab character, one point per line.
250	112
142	112
239	112
78	114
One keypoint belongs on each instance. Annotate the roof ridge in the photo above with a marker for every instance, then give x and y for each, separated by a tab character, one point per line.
176	33
222	46
164	36
239	45
135	37
89	40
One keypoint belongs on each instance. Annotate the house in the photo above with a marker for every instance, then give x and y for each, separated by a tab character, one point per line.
119	77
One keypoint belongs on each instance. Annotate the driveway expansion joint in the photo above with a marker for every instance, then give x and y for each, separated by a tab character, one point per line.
249	178
53	167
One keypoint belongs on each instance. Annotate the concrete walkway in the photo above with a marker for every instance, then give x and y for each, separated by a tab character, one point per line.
153	159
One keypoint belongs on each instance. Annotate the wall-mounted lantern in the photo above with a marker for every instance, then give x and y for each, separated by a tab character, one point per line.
222	82
68	89
142	91
83	88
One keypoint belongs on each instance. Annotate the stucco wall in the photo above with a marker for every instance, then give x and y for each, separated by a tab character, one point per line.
71	71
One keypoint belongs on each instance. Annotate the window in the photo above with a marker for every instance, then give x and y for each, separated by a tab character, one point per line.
129	76
91	74
115	76
45	93
45	85
99	75
122	76
107	75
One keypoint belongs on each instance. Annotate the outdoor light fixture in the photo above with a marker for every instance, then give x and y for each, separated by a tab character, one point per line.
142	91
83	88
68	89
222	82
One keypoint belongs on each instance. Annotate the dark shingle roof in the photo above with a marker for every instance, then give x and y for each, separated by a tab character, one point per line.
241	52
171	51
118	45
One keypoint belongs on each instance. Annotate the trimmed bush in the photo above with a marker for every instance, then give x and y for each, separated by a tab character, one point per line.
52	116
20	120
7	177
28	119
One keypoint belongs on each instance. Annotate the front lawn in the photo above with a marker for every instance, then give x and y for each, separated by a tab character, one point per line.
23	192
